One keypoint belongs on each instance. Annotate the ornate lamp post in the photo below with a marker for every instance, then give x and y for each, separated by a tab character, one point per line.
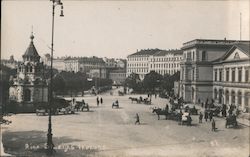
50	145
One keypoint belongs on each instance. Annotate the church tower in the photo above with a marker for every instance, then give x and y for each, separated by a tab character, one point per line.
29	88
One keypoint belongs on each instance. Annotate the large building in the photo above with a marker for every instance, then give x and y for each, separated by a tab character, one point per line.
58	63
196	79
118	76
160	61
231	77
83	64
11	63
29	88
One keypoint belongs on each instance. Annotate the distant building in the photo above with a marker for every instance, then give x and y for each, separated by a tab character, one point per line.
58	63
160	61
98	73
196	77
11	63
118	76
29	89
83	64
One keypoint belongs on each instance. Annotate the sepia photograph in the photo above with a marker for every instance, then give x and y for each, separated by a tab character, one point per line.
125	78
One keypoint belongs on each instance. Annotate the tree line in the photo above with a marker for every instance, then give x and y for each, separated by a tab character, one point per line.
152	83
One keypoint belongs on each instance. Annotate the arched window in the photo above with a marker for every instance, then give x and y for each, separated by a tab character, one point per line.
227	97
220	96
239	97
215	93
27	95
31	68
233	97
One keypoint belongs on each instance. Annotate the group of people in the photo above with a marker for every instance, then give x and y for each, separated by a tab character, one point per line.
208	115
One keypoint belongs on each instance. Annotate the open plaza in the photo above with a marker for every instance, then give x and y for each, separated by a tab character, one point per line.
106	131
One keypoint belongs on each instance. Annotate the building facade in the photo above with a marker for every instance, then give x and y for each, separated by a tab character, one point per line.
118	76
231	77
29	88
196	77
161	61
83	64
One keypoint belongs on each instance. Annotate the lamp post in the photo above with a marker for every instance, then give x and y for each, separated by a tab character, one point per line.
50	145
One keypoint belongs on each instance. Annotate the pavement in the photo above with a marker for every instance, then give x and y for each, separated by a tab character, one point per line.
107	132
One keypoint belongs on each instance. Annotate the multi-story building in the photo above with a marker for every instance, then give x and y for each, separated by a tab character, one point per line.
83	64
58	63
231	77
118	76
161	61
196	78
29	88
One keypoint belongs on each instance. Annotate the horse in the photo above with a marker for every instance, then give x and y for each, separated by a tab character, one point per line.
133	99
159	112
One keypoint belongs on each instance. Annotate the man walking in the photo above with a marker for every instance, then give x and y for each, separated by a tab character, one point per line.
97	101
213	125
206	115
101	100
200	117
137	119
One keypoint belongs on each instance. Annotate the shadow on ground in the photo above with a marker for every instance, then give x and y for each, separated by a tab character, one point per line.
33	144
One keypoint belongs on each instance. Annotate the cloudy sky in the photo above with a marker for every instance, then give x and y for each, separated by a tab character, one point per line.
118	28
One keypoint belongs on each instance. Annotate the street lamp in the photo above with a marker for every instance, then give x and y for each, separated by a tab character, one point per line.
50	145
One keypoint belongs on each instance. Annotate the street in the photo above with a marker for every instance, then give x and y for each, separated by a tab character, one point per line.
111	132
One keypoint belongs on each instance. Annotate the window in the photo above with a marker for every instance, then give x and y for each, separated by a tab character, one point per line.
203	55
227	75
239	98
239	75
220	75
233	75
246	75
215	75
27	95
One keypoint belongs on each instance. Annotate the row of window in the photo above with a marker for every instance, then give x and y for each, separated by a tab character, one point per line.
190	55
137	64
28	69
162	59
162	72
173	65
218	74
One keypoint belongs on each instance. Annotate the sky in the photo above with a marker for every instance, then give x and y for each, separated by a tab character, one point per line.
117	28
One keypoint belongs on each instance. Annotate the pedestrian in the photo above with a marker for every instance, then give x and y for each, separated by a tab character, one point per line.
155	95
137	119
202	104
97	101
206	115
166	108
200	117
213	125
101	100
210	116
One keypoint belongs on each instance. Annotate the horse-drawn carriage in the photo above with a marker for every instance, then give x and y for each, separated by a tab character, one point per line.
81	105
191	109
115	104
139	100
186	119
120	93
231	121
172	115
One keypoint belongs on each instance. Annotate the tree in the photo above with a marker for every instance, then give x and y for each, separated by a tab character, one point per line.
133	81
59	84
152	81
168	81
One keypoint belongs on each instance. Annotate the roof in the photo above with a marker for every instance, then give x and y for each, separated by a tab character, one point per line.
87	59
146	52
165	52
211	42
31	50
